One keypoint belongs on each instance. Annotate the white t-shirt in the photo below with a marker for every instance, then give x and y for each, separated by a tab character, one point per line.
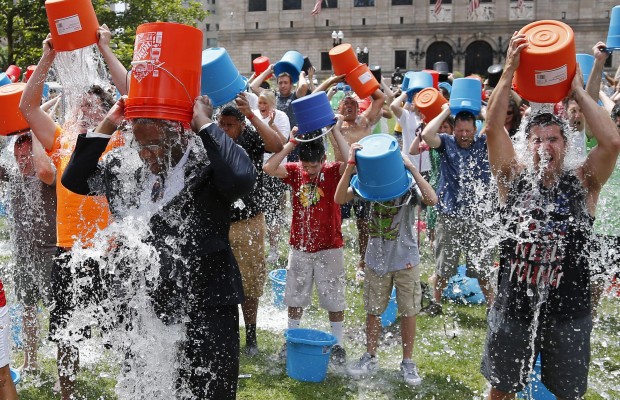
409	123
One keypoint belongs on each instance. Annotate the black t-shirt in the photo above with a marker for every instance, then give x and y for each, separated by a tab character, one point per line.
252	204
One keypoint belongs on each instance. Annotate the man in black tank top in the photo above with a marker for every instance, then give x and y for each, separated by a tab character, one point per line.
542	305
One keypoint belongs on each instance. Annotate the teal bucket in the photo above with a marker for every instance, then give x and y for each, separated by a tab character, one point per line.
536	390
307	354
278	285
586	62
613	34
463	289
389	315
15	376
466	95
292	63
4	79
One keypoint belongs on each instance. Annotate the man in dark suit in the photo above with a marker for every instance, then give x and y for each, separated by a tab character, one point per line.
184	186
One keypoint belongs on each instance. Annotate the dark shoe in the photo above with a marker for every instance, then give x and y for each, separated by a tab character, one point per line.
251	350
339	355
432	310
283	352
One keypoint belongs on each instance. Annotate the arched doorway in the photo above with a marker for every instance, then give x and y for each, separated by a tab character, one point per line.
439	51
478	57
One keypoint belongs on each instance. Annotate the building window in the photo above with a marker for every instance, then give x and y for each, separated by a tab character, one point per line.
256	26
363	3
402	20
433	2
291	4
253	57
207	27
329	4
400	59
363	21
402	2
326	22
217	27
291	24
326	62
257	5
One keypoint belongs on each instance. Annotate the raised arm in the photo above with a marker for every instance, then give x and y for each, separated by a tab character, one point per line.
273	166
344	192
429	197
41	124
44	169
397	104
373	113
328	83
593	86
273	141
430	134
341	145
302	85
502	156
117	69
255	85
338	156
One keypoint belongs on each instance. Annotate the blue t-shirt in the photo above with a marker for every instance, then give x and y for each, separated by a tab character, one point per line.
464	175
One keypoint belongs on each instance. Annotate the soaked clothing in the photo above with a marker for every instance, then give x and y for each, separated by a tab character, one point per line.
252	204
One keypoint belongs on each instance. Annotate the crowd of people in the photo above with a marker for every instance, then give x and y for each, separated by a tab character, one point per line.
512	191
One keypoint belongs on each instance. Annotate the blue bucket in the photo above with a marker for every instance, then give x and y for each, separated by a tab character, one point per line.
381	173
466	95
405	83
586	62
15	376
15	313
220	79
313	112
463	289
4	79
613	34
389	315
307	354
536	390
417	81
278	284
291	62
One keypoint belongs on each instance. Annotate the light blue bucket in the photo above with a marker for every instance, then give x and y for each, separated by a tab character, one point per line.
15	313
536	390
307	354
381	173
16	377
463	289
586	62
278	285
613	34
4	79
389	315
220	79
466	95
313	112
291	62
417	81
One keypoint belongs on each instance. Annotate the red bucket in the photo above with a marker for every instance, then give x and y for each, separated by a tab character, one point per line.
29	72
11	119
73	23
260	65
13	72
435	76
165	78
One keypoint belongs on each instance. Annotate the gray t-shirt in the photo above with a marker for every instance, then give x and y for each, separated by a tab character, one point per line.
392	242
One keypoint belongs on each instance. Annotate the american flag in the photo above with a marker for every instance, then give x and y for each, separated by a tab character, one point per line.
473	5
437	6
317	7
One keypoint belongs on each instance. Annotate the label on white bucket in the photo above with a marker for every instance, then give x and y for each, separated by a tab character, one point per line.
365	77
147	49
551	76
68	25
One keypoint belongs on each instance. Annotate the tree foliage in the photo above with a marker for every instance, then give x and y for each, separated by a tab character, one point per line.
24	25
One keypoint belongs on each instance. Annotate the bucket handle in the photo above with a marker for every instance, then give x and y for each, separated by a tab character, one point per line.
160	66
325	132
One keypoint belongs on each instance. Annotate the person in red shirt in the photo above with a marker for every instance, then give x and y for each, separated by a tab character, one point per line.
316	238
7	388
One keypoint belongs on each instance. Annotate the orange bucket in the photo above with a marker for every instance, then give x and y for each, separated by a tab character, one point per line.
343	59
548	64
362	81
429	101
260	65
11	119
165	78
73	23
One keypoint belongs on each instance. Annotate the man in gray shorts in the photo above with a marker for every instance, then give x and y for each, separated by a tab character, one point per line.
463	185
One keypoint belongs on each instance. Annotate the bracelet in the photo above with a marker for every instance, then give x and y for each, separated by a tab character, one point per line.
293	141
251	116
351	162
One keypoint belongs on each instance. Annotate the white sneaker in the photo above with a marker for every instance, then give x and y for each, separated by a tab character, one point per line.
410	373
366	365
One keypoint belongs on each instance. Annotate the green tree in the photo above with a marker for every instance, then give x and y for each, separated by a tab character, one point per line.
24	25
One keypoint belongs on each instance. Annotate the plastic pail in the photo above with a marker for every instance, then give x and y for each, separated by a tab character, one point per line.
375	70
313	112
536	390
4	79
292	61
586	62
165	78
417	81
15	376
429	102
307	354
548	64
405	82
495	72
307	65
389	315
16	313
13	72
463	289
260	65
73	23
343	59
435	76
29	72
466	95
362	81
11	119
221	80
613	34
381	173
278	284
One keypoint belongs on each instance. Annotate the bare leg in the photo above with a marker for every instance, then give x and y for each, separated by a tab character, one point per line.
250	309
295	312
7	388
496	394
68	362
440	285
334	316
31	337
373	330
408	328
489	295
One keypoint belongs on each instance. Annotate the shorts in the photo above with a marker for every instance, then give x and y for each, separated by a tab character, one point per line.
247	240
563	344
32	277
378	290
325	268
64	300
454	236
359	206
5	336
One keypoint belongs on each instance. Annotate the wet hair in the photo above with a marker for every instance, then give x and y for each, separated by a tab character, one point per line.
166	125
615	112
449	120
283	74
107	99
546	119
265	85
313	151
25	138
231	111
269	97
516	116
465	116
